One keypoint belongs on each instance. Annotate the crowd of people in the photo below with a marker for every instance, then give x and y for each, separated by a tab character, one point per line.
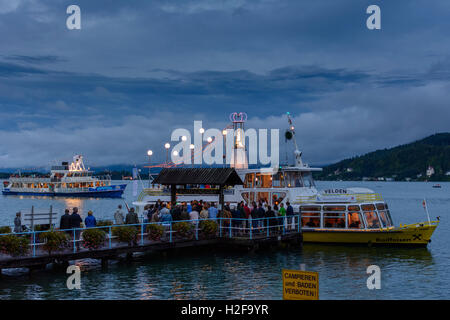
257	217
241	216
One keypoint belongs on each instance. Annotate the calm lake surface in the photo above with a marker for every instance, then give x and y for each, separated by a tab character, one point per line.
420	273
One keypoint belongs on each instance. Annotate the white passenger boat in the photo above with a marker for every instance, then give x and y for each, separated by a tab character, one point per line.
339	215
66	180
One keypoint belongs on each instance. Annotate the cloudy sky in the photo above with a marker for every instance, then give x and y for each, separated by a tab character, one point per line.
139	69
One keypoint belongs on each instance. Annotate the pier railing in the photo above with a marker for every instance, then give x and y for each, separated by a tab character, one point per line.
166	232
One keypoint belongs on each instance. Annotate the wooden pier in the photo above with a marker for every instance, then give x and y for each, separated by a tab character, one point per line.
226	237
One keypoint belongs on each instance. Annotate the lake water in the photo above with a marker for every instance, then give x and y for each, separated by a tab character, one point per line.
409	273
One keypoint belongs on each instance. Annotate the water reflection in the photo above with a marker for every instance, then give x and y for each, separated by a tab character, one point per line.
407	273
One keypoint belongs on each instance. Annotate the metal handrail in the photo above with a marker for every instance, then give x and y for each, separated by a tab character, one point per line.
228	225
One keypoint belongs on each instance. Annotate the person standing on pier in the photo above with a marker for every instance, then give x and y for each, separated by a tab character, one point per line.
261	215
270	216
193	216
176	212
204	213
132	217
90	221
118	215
282	215
212	211
18	223
64	222
75	223
236	223
290	216
166	217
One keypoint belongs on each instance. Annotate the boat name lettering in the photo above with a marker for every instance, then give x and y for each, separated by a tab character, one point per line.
334	191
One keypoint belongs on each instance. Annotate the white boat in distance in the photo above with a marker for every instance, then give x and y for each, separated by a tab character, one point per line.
65	180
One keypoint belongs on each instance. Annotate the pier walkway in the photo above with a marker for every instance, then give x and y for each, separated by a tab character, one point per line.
41	248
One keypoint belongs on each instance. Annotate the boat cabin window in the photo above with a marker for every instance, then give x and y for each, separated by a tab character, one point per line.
293	179
308	180
277	197
249	180
372	219
368	207
263	180
248	197
353	208
334	208
371	216
355	220
263	197
333	217
310	216
278	180
385	219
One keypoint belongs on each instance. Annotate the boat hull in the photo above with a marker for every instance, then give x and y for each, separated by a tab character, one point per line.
411	235
114	191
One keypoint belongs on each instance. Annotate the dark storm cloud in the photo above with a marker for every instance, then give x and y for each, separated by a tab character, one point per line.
136	70
35	59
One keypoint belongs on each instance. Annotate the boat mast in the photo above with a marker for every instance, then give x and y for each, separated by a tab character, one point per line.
297	152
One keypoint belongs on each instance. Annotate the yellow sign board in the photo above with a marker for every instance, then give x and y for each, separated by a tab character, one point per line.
300	285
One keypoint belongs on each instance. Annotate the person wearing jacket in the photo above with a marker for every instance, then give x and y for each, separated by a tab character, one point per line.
90	221
75	222
166	217
132	217
64	222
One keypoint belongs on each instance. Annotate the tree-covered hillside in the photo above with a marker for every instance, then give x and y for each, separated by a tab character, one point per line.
405	162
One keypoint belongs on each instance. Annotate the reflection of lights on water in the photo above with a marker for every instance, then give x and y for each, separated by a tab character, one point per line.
71	203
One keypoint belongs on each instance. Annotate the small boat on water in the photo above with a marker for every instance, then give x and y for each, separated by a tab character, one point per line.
340	215
437	185
66	180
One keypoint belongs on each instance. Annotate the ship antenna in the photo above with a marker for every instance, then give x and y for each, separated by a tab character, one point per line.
290	134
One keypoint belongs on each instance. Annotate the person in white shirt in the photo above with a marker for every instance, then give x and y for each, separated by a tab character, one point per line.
118	215
193	215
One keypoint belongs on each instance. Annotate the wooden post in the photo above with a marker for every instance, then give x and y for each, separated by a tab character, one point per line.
221	198
32	218
173	193
51	217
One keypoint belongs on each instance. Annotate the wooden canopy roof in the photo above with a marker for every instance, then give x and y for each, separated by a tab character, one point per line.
211	176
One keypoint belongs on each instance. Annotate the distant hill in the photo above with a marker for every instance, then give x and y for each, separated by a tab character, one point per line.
406	162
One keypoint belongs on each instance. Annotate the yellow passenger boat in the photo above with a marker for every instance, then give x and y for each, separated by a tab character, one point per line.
365	223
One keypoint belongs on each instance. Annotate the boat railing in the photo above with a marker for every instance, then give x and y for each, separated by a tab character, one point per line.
29	180
147	233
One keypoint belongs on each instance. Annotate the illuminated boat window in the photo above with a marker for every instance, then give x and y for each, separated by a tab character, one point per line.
333	208
372	220
380	206
383	219
368	207
310	214
310	208
249	180
277	197
334	220
278	180
355	220
263	196
353	208
308	222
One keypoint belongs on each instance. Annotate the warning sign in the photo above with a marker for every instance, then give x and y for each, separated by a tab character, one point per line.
300	285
